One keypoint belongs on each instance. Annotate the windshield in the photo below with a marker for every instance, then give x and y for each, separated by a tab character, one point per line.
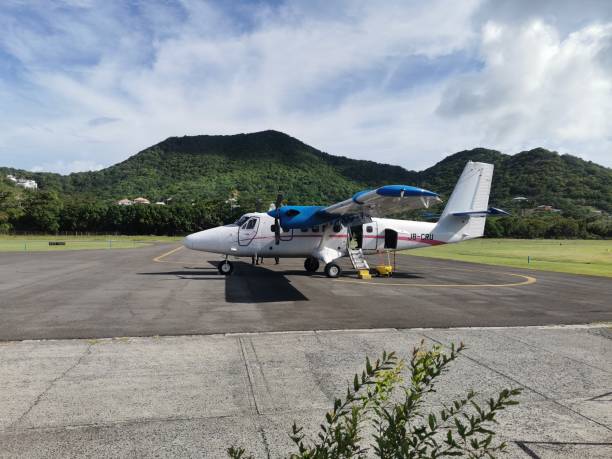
241	220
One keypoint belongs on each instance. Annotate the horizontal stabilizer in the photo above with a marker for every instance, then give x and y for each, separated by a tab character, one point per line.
481	213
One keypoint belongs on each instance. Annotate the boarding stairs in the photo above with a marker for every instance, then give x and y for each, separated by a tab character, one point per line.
359	263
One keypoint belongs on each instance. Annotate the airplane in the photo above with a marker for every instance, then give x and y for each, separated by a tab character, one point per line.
354	227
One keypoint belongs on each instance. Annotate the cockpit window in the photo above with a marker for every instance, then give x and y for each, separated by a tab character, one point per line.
241	220
251	223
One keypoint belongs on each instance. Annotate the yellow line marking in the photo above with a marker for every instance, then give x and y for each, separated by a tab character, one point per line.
528	280
164	255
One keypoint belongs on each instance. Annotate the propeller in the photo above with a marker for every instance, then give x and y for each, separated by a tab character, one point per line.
278	204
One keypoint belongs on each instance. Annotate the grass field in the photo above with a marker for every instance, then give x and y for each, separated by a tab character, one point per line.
568	256
41	243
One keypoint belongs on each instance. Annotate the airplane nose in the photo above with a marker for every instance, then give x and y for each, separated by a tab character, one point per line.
207	240
188	241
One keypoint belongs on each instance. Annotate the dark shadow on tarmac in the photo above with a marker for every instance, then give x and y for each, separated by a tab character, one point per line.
256	284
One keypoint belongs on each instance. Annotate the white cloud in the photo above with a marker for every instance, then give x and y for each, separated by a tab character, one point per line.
538	88
350	78
64	167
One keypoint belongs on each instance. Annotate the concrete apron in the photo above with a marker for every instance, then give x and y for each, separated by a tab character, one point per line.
193	396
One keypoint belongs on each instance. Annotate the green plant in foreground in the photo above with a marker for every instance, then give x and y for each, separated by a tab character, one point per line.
392	406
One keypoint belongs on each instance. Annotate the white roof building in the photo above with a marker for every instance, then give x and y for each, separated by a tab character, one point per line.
125	202
24	183
141	201
27	184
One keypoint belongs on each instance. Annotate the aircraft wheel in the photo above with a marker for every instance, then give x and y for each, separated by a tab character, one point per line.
311	264
226	268
333	270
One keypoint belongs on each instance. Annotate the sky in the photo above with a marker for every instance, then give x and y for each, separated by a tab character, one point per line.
85	84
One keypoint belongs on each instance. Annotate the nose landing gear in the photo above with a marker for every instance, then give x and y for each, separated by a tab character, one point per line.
226	268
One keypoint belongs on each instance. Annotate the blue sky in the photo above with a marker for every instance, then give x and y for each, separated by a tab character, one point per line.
85	84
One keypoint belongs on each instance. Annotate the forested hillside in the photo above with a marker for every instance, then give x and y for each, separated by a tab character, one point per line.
204	171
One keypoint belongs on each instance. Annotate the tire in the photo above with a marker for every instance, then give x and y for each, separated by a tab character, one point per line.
226	268
311	264
332	270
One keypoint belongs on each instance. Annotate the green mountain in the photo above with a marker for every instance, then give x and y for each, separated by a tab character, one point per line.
257	165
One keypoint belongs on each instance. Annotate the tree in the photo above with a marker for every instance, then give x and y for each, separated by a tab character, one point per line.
42	211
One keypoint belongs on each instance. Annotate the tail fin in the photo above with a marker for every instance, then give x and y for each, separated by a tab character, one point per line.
464	215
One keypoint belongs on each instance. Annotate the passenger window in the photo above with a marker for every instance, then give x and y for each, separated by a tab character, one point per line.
369	229
251	223
304	230
337	227
273	228
315	229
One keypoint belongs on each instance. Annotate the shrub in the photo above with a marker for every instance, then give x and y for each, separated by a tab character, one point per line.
402	429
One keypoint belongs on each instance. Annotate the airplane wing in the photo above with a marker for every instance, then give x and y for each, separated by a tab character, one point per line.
364	205
384	201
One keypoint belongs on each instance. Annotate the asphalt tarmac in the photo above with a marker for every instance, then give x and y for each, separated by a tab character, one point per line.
169	290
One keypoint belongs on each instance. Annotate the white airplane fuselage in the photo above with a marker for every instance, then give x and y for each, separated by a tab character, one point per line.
255	237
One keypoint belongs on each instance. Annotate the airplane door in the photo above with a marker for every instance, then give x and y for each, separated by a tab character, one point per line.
370	236
248	231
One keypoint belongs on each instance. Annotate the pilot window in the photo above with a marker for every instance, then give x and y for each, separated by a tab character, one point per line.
337	227
251	223
369	229
241	220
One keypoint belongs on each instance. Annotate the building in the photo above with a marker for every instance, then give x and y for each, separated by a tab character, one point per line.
23	183
125	202
160	203
141	200
546	208
27	184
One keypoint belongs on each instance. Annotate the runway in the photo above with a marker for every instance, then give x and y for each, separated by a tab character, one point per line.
166	290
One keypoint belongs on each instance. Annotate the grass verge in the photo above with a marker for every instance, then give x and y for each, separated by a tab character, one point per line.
41	243
593	257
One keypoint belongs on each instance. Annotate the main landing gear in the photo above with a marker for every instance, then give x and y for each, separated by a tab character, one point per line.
226	267
333	270
311	264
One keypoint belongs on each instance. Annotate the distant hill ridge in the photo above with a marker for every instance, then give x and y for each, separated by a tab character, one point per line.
256	165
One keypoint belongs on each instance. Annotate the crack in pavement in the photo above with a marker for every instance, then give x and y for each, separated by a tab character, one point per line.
544	396
52	383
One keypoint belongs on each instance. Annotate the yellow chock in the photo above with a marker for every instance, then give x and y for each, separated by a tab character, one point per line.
384	270
364	274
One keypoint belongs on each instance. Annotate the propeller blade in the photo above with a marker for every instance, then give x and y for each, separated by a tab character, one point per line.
279	200
276	231
278	204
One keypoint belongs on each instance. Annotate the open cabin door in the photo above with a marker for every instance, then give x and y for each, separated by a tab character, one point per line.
390	239
370	236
